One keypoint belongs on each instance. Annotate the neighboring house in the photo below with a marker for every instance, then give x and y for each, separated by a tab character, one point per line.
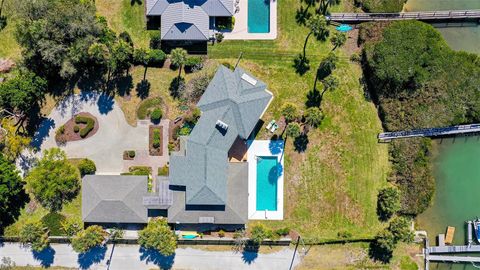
204	187
187	20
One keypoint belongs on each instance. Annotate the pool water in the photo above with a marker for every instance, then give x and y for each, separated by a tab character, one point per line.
258	16
267	180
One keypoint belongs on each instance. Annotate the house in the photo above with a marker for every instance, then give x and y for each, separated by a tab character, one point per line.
187	21
203	186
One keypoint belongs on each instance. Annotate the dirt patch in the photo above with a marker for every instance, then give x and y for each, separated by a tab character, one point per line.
6	65
155	142
351	46
69	134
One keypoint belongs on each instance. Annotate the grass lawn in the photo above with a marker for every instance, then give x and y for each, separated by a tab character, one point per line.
9	47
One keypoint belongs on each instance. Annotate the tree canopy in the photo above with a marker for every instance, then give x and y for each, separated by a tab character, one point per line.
35	235
54	180
56	35
290	112
86	239
388	202
12	195
158	235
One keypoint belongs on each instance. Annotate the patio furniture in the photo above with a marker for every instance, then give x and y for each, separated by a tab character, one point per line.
274	127
269	126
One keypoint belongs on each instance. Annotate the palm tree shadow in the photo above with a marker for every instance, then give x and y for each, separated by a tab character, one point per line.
301	143
45	256
314	98
155	257
301	16
250	253
301	64
143	89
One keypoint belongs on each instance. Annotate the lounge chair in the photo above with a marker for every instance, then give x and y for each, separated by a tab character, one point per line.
274	127
269	126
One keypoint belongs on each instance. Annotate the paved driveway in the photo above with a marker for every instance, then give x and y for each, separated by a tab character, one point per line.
132	257
105	148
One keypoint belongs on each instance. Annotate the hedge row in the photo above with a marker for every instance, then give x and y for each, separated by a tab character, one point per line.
90	124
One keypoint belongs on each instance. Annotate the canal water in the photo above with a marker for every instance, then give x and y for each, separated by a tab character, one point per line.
460	36
457	175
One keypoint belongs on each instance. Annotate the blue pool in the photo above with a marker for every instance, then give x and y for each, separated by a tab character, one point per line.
267	181
258	16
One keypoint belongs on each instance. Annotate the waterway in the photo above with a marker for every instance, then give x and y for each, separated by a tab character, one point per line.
460	36
457	176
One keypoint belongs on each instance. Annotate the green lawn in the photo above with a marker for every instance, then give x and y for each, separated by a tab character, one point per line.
9	47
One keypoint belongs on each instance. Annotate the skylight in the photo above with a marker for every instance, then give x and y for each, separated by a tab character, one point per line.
249	79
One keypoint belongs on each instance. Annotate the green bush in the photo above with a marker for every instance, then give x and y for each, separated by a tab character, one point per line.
156	138
158	235
86	239
131	153
382	5
193	63
155	40
388	202
61	130
138	170
221	233
87	166
156	57
90	124
76	129
53	221
34	234
344	234
283	231
71	226
163	171
260	233
156	115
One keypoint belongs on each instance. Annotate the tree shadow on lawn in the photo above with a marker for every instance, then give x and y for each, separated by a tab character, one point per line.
301	142
94	255
250	253
143	89
155	257
45	256
105	103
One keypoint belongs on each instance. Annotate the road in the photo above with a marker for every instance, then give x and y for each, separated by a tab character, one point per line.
132	257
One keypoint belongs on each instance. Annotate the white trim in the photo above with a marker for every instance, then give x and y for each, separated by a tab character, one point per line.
262	148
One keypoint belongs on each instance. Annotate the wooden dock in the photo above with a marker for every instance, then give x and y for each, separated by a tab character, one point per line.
430	132
449	235
455	259
448	15
453	249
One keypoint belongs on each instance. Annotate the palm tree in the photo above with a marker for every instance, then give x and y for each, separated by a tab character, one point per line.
293	130
290	112
338	40
318	27
179	58
330	83
314	116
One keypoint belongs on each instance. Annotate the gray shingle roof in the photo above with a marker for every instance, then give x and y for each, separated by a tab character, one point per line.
187	19
114	199
236	207
203	170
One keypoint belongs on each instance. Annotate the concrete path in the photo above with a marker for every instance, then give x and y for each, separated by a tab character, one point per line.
105	148
132	257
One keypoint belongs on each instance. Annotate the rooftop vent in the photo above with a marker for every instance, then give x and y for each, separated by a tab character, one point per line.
249	79
221	125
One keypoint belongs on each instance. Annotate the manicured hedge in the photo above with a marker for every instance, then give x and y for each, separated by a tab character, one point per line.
90	124
156	115
156	138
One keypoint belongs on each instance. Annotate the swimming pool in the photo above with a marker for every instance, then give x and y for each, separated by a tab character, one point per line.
258	16
267	180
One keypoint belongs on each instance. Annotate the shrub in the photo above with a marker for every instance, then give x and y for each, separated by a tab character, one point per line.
125	36
90	124
115	234
155	40
259	233
131	153
156	115
156	138
156	57
158	235
219	37
400	229
61	130
184	131
221	233
147	105
196	87
388	202
283	231
140	56
138	170
293	130
53	221
71	226
76	129
193	63
87	166
35	235
381	249
314	116
86	239
290	112
163	171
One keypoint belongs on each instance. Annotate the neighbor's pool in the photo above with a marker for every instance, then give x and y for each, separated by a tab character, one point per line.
267	180
258	16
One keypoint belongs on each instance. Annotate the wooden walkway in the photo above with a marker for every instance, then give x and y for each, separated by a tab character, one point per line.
430	132
453	249
449	15
443	258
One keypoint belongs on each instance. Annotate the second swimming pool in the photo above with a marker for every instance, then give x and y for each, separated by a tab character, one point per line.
258	16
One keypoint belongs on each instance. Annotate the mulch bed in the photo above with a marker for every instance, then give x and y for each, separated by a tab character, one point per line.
71	136
152	150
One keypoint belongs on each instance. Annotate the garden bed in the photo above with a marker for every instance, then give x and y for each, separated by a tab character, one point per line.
155	140
87	127
146	107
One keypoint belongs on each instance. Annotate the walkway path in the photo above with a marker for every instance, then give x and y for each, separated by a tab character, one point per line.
447	15
131	257
106	147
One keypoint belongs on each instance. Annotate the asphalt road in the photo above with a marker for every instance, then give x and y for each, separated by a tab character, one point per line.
132	257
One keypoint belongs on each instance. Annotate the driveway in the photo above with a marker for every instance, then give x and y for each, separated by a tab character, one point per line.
132	257
106	147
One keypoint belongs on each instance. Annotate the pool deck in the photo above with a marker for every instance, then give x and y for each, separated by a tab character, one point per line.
264	148
240	30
